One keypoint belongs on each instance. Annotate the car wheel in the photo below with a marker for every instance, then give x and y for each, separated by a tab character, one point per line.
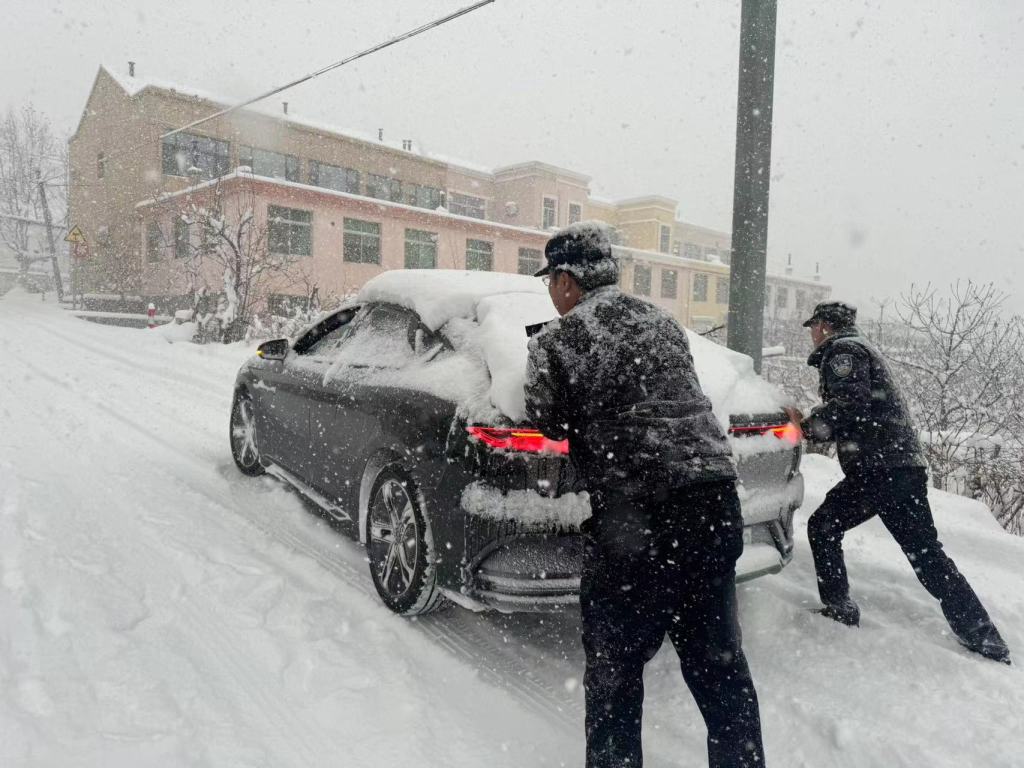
400	546
244	448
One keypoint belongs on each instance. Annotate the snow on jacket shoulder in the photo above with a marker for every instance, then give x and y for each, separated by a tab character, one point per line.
615	376
862	410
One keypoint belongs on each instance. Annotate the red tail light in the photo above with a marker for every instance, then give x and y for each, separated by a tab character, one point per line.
526	440
789	432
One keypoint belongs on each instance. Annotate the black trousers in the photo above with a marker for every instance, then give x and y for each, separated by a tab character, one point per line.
660	567
899	496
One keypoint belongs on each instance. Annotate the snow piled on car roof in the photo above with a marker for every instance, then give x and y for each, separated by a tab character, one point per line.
439	295
485	314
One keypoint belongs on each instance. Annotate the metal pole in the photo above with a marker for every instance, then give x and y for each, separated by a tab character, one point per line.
751	179
49	236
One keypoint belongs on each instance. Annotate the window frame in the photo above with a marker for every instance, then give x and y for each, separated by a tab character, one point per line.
247	155
700	279
674	283
414	248
171	147
664	238
544	212
642	287
527	253
154	245
182	238
293	226
473	249
351	178
575	218
391	185
466	208
355	242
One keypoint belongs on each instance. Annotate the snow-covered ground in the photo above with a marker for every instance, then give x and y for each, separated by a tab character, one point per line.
158	609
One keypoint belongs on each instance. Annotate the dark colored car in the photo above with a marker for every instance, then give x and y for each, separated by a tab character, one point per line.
387	423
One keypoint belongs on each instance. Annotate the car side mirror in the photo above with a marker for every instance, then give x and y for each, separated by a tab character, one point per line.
273	350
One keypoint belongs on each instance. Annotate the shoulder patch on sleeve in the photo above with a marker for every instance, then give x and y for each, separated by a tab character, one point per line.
841	365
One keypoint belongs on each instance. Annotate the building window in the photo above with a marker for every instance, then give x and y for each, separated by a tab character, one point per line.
333	177
529	261
154	242
691	251
422	196
480	255
101	165
641	280
183	151
384	188
420	249
274	165
665	239
467	205
550	215
575	213
669	283
726	256
289	231
801	300
361	241
781	297
677	249
700	287
182	239
722	290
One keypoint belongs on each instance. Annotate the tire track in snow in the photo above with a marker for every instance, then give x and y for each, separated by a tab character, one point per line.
462	634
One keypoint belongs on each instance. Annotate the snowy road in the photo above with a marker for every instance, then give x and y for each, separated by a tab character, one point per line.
158	609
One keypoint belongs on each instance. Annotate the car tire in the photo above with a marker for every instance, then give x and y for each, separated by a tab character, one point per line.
400	546
244	446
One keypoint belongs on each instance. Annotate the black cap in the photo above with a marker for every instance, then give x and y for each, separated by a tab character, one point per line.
577	248
838	314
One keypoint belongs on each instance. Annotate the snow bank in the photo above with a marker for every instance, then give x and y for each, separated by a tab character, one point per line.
176	332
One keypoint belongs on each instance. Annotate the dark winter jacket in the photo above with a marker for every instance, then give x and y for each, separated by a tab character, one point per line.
862	409
615	376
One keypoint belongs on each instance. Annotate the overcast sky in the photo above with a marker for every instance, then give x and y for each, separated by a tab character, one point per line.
899	127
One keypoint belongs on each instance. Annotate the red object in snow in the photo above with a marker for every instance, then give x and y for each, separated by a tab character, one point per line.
151	311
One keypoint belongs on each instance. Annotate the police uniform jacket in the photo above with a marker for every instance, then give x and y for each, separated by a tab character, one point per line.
862	409
615	376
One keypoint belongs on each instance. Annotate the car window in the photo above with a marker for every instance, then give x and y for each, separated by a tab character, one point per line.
382	337
326	336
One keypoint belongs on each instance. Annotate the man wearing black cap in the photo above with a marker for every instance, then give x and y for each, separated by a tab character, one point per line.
615	376
865	415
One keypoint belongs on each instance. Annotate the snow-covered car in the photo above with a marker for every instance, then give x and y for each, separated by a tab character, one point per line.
401	415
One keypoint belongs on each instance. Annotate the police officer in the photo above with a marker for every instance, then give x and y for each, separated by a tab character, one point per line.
615	376
865	415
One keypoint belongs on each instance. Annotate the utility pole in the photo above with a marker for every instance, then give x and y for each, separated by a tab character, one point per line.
751	178
49	236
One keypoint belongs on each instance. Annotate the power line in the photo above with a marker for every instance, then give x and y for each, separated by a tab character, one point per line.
380	46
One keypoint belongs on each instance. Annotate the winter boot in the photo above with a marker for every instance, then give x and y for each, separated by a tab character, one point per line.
845	612
985	641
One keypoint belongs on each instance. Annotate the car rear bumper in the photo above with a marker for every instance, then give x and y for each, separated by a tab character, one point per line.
512	568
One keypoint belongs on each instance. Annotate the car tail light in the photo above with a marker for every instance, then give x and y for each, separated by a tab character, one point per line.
518	439
789	431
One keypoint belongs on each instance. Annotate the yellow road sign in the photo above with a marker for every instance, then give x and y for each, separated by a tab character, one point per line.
75	236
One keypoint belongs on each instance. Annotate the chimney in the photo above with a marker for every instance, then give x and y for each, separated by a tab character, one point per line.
284	104
817	272
407	145
789	264
380	134
131	69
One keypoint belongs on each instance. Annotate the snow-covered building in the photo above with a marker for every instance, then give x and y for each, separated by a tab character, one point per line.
366	202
